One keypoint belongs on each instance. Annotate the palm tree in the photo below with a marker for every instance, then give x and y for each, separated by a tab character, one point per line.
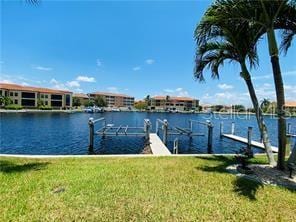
148	100
265	105
269	16
228	41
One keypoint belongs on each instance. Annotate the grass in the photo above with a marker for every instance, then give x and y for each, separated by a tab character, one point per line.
136	189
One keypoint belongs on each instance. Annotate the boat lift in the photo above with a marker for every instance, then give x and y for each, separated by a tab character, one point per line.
112	130
178	131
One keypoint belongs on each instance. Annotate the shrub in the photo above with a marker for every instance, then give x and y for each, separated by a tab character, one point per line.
13	107
45	108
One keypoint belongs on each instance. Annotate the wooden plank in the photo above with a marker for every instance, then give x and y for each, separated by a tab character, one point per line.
245	141
157	146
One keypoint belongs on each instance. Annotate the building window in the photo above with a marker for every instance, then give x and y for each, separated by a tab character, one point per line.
16	101
11	94
56	103
15	94
46	103
67	100
46	96
56	97
28	95
28	102
42	96
0	92
6	93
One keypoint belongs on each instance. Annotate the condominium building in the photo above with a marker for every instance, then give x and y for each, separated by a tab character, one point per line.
173	103
83	98
291	106
28	96
114	99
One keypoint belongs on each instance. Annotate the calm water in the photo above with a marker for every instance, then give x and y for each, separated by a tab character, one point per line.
62	133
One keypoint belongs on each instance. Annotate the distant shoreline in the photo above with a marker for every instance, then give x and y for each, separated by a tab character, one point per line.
81	111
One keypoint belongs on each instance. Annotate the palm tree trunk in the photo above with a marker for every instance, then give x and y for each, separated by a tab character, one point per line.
280	95
259	116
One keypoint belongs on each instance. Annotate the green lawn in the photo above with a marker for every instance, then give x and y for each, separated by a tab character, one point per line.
136	189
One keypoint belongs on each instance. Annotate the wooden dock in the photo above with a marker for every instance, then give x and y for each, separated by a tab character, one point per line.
157	146
245	141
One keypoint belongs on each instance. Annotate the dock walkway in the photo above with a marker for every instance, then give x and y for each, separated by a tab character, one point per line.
245	141
157	146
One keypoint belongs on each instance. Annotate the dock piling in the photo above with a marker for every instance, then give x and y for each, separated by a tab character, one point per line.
250	129
147	126
210	137
289	131
176	146
165	131
91	135
232	128
221	129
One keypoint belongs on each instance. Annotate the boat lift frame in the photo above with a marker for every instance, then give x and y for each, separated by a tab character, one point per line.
175	131
111	130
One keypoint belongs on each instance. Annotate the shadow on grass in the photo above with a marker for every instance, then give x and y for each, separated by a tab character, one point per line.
10	167
242	186
247	188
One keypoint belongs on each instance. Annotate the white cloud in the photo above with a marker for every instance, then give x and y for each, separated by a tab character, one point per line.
5	81
225	86
85	79
262	77
150	61
24	84
137	68
99	62
42	68
73	84
168	90
53	81
112	89
180	92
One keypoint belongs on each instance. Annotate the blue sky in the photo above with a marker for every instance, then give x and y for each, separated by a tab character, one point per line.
132	47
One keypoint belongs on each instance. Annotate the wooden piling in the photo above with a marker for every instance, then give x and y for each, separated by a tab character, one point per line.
176	146
91	135
232	128
250	129
210	137
165	131
221	129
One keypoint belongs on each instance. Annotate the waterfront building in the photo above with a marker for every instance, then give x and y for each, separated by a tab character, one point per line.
28	96
291	106
172	103
82	98
114	99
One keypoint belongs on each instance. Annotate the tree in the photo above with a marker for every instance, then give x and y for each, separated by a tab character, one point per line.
239	108
5	100
89	103
148	100
141	105
268	16
265	104
76	101
225	40
100	101
40	103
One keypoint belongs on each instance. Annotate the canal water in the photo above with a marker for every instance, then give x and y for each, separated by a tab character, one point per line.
63	133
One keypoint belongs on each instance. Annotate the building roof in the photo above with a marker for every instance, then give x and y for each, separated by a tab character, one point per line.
110	94
176	98
80	95
16	87
290	104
